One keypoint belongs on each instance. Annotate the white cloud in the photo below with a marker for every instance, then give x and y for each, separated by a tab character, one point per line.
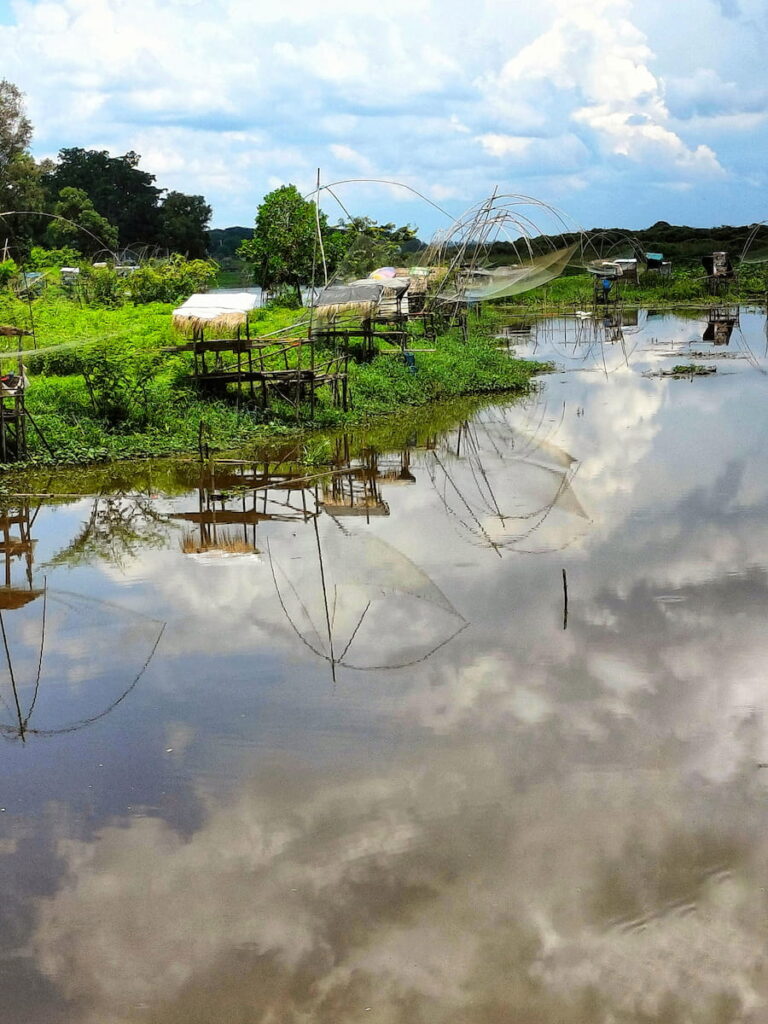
578	88
594	60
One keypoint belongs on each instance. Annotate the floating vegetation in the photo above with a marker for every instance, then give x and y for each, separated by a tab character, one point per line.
684	370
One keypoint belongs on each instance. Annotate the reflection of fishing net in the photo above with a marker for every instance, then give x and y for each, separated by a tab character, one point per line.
504	487
363	604
604	343
502	247
70	660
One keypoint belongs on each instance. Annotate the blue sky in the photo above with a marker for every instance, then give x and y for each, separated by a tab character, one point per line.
619	112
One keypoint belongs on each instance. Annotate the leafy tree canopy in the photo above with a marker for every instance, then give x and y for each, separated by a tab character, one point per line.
20	185
81	227
15	127
116	186
356	247
183	223
283	244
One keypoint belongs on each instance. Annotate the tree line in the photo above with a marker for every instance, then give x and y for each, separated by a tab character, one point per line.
87	199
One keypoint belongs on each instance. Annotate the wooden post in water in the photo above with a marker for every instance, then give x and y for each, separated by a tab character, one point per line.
565	600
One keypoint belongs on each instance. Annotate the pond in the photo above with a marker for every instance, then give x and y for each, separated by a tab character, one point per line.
462	728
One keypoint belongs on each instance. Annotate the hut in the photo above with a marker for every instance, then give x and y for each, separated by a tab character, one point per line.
218	310
719	270
629	270
230	310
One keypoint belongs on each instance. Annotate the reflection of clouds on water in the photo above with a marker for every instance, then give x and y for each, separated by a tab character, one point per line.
439	891
67	658
534	823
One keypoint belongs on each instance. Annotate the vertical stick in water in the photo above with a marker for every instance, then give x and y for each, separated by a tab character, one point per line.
565	600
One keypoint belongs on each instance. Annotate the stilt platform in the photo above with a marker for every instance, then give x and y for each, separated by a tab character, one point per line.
256	362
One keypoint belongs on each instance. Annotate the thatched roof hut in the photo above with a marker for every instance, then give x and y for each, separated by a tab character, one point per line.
221	309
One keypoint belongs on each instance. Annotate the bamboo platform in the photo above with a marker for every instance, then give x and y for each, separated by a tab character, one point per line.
254	365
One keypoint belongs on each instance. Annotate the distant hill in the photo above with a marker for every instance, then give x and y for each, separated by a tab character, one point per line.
223	242
677	242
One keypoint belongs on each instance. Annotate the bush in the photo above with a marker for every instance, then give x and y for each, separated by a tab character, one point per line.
101	286
171	280
8	270
42	259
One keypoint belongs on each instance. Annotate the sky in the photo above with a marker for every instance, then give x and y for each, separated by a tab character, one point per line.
618	112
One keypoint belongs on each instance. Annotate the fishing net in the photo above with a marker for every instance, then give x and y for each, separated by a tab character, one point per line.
502	247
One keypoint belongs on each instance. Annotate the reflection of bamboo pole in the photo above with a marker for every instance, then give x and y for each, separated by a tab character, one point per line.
325	599
40	659
13	680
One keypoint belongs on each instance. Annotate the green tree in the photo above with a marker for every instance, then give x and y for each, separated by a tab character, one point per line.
15	126
118	189
183	223
283	244
20	183
82	227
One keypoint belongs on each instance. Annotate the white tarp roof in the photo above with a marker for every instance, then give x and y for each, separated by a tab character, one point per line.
211	305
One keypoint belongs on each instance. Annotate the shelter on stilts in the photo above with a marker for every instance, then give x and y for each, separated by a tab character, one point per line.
13	410
277	365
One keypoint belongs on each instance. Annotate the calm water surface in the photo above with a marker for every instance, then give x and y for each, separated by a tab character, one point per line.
466	730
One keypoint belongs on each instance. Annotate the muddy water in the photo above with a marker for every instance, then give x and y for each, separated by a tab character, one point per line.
466	728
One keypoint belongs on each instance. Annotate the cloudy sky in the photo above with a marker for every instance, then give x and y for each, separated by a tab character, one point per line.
620	112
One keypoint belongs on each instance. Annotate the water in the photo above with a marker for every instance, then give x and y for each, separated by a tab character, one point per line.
467	728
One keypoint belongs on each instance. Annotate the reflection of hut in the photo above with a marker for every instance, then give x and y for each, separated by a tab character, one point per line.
720	325
233	498
354	492
16	543
353	489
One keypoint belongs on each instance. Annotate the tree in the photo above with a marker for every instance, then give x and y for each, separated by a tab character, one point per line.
15	126
82	227
20	185
183	223
118	189
284	239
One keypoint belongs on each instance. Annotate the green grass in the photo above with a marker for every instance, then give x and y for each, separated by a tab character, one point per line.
102	387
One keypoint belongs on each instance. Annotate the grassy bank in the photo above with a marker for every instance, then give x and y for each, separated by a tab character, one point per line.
102	386
686	286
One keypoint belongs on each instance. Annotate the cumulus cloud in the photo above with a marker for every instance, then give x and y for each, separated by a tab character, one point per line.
594	61
419	94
